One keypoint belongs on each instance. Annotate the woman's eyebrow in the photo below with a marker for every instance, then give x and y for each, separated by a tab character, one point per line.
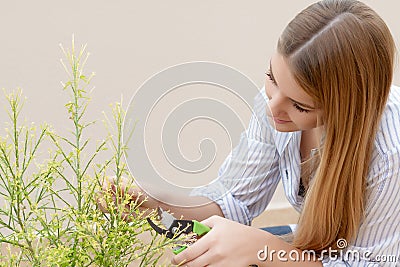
294	101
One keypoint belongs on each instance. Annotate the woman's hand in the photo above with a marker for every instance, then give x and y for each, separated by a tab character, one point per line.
124	192
232	244
227	244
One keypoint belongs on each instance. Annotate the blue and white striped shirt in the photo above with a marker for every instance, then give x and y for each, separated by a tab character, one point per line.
250	174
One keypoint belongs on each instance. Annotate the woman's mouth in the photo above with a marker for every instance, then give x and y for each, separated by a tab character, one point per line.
279	121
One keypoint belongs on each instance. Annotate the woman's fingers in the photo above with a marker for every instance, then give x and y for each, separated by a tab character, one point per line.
192	255
140	212
112	193
101	202
125	197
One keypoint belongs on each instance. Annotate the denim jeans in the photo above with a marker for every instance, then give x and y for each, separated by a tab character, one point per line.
278	230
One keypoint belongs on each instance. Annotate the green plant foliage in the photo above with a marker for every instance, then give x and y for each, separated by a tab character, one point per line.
38	225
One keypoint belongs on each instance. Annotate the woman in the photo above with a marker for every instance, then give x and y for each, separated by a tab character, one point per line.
329	133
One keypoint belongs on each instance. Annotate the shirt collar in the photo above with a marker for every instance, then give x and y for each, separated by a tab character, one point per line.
282	139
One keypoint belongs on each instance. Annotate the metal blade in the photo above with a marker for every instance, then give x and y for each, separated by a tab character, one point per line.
165	218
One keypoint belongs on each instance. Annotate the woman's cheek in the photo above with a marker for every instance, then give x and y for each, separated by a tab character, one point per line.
305	121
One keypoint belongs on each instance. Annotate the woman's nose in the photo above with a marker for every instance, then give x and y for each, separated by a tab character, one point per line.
276	104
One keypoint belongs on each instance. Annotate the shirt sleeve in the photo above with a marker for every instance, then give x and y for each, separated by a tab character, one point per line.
249	175
378	240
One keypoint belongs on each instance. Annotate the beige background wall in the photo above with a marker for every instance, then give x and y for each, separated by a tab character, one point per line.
129	41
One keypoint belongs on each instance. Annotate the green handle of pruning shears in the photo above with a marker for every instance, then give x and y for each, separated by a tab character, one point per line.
179	249
199	229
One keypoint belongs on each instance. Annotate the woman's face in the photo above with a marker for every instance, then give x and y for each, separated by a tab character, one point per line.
289	107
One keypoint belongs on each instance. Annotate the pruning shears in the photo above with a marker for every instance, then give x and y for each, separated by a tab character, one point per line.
175	228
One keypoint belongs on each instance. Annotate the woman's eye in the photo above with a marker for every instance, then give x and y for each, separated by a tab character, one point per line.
300	108
270	77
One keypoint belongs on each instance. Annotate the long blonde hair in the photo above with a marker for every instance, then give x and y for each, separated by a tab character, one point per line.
342	54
